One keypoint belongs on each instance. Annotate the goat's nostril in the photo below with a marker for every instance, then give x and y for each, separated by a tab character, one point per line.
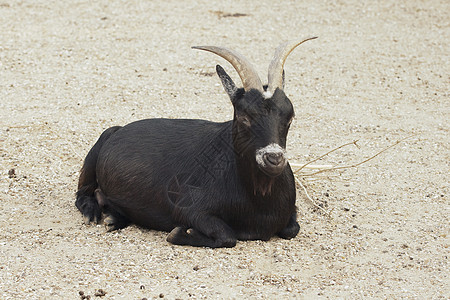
274	158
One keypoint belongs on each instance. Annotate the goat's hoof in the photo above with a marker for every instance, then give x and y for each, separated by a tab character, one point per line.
88	220
110	223
175	234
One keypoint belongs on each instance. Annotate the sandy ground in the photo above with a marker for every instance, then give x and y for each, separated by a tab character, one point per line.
379	72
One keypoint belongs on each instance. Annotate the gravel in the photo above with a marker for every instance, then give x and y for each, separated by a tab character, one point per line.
379	72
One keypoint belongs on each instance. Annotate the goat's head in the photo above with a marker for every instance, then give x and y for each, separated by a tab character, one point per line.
262	114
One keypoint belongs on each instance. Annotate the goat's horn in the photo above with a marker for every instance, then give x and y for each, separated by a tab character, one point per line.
277	64
243	67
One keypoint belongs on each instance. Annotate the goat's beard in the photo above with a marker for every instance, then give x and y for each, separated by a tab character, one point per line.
262	183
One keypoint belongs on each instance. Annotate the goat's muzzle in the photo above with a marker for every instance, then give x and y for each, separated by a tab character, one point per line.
271	159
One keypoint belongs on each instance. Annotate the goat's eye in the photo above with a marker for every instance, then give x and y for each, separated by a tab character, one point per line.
244	120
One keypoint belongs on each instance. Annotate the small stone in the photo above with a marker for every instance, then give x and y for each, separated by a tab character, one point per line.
12	173
100	293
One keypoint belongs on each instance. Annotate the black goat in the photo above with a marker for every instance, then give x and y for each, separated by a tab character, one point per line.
207	183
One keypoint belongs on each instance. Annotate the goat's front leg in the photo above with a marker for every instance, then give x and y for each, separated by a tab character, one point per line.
292	228
206	231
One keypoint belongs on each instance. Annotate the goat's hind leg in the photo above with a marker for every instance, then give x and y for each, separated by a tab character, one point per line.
113	219
86	201
88	206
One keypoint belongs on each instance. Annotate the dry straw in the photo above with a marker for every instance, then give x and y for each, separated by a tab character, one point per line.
327	168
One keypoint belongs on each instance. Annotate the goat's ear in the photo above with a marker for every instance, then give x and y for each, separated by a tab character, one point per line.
282	81
227	83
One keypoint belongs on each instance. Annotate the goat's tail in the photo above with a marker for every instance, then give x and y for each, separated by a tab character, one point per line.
86	201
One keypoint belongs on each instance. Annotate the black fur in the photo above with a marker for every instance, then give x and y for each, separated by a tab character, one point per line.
195	178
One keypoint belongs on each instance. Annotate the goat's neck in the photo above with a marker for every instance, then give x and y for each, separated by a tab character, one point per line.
256	182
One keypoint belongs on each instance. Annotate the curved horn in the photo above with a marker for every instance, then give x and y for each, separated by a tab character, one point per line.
277	63
243	67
